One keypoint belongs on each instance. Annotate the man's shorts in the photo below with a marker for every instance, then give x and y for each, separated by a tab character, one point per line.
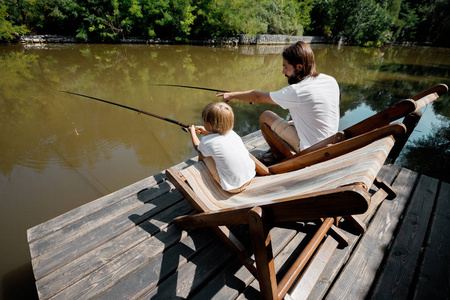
286	130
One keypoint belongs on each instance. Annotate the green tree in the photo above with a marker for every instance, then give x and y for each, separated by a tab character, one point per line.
285	17
8	30
405	26
168	18
362	22
223	18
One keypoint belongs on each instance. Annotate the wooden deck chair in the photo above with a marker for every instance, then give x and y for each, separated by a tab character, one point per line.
336	187
408	109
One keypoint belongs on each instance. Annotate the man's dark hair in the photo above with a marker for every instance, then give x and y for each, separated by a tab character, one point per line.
301	53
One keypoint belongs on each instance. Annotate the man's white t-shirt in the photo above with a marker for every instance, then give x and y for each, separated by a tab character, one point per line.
314	106
233	162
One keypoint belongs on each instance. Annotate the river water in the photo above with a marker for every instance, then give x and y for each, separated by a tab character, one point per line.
60	151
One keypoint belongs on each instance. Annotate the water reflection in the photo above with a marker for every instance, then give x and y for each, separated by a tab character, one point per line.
60	151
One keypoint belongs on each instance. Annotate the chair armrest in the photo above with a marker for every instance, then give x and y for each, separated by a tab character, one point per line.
350	199
261	169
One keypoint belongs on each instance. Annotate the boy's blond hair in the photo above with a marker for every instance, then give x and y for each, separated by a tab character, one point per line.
220	116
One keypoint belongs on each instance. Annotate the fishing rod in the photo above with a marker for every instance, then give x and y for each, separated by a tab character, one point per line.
194	87
184	126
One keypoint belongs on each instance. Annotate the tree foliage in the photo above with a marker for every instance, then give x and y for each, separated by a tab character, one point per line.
361	22
8	30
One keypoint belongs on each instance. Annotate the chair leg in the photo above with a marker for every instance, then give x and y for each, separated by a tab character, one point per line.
335	232
391	193
236	246
262	248
356	223
302	260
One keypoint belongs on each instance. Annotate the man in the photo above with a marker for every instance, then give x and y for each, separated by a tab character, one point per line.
312	99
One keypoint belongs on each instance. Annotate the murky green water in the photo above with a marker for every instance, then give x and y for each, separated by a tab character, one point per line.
59	151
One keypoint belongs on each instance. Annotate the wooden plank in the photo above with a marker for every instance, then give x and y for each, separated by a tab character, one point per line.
357	276
433	280
107	252
97	219
48	262
309	278
340	256
397	276
254	140
193	274
148	252
233	279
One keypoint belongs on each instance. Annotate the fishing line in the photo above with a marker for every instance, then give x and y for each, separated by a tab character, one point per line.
70	120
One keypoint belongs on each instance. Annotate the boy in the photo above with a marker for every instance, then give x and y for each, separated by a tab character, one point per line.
222	150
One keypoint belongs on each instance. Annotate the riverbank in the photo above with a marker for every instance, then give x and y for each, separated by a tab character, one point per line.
242	39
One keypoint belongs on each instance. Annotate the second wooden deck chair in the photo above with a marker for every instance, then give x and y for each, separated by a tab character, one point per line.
408	109
339	186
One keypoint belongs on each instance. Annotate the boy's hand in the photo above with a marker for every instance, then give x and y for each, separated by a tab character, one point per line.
195	140
200	129
191	129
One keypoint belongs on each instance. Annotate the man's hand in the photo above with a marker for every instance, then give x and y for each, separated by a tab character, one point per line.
226	97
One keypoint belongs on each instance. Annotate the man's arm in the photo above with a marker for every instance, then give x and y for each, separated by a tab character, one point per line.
248	96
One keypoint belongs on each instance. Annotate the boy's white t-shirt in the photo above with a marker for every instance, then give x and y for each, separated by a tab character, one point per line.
314	106
233	163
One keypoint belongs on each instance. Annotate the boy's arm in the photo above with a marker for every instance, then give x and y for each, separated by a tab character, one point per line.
195	140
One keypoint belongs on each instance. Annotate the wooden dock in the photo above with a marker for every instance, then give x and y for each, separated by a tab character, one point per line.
125	246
